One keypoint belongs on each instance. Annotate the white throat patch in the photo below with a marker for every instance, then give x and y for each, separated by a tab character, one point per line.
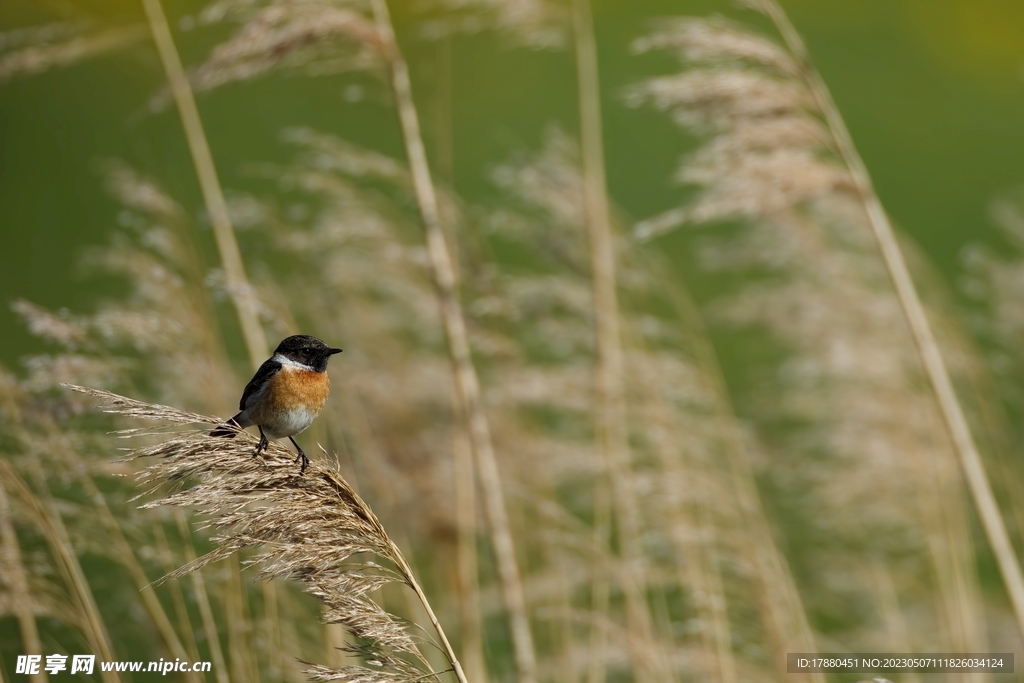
288	362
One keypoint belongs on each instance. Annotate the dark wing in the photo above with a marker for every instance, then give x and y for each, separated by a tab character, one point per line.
266	371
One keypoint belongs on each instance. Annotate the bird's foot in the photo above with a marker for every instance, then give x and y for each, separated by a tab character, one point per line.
262	445
301	456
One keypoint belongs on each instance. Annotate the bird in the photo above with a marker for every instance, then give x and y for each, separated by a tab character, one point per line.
285	395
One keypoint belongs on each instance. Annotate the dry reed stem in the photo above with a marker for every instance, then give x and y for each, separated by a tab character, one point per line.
953	554
610	417
574	535
467	383
896	631
779	592
125	554
235	609
552	184
17	580
924	338
467	571
380	481
218	661
600	588
241	291
311	527
166	556
699	556
272	634
999	280
57	537
717	605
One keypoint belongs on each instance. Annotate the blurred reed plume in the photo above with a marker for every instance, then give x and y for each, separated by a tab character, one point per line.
993	281
537	24
35	50
705	546
312	528
314	36
813	279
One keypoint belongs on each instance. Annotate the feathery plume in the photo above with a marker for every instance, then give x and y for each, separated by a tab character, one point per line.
314	35
852	384
537	24
29	52
313	528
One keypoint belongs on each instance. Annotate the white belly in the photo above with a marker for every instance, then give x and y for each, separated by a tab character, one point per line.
289	422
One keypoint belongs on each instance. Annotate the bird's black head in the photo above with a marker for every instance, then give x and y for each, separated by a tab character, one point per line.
307	350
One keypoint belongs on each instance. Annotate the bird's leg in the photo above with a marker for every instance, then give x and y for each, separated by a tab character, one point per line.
262	445
305	460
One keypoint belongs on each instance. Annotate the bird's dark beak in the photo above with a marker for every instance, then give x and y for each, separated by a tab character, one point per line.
334	351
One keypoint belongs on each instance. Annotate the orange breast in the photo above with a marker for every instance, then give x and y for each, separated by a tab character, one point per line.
292	389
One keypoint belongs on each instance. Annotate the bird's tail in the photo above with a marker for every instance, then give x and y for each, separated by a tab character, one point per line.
229	429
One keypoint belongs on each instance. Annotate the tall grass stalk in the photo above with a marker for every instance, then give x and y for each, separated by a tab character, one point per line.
778	589
241	291
780	599
121	550
699	556
50	523
466	380
125	555
779	592
217	660
467	570
17	580
599	591
897	632
610	417
675	454
269	619
238	621
166	555
910	301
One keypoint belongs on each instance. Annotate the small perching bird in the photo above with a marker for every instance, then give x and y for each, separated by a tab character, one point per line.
286	394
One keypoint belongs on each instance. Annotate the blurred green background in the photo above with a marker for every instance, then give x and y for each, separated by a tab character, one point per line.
933	92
